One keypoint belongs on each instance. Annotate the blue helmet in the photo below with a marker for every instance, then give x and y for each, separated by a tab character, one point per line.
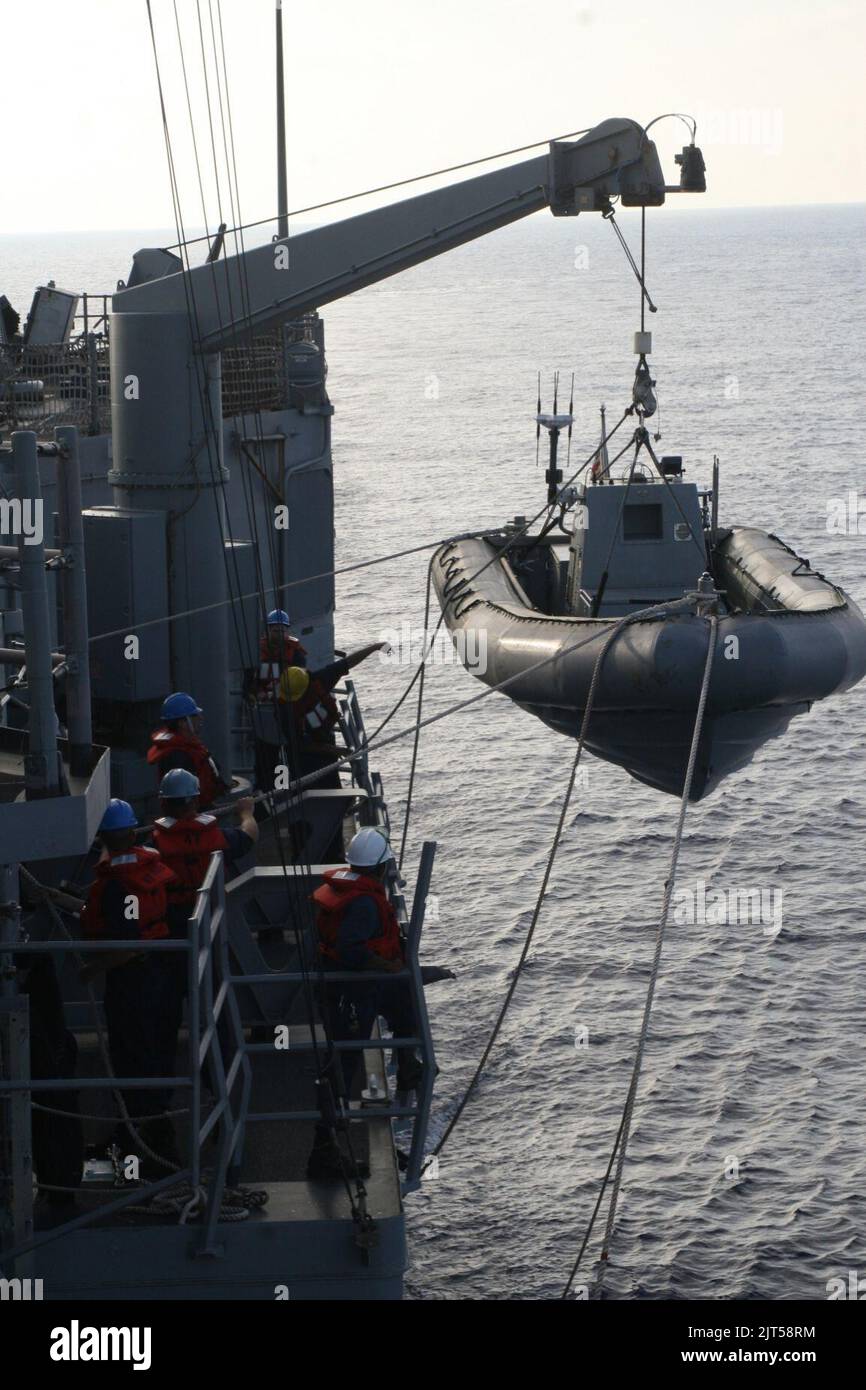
119	815
179	785
179	706
278	617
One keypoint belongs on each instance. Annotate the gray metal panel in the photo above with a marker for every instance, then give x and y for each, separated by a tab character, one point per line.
56	826
310	495
646	567
126	570
51	316
245	618
303	1241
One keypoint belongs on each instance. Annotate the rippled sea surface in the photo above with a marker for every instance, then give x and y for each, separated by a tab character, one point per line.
746	1175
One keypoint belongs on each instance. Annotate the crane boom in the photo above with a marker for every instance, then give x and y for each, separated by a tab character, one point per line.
264	285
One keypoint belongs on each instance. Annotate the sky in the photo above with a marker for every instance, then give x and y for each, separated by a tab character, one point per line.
379	90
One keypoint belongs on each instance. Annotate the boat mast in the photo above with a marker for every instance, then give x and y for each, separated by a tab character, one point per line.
282	182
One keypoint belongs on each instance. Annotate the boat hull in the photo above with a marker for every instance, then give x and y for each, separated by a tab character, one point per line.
768	667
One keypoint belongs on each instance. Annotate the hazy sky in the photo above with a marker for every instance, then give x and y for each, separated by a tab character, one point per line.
382	89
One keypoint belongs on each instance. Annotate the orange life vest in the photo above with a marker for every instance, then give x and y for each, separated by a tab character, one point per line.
316	710
142	875
166	741
274	657
186	846
342	886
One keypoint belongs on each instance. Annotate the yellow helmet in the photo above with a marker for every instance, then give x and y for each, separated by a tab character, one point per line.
294	682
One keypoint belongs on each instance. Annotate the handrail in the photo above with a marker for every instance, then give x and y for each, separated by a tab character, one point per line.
217	1047
211	999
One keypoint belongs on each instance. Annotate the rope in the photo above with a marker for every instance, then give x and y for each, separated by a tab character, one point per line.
376	559
542	892
420	707
103	1119
622	1138
385	187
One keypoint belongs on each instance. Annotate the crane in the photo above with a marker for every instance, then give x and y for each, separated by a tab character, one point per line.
171	323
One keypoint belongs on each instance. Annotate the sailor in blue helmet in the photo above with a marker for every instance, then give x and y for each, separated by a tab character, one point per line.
186	837
277	650
177	743
129	901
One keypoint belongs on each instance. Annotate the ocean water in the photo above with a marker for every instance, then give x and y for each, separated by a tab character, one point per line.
746	1175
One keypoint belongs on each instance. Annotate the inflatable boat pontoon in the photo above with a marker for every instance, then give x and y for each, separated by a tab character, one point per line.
786	636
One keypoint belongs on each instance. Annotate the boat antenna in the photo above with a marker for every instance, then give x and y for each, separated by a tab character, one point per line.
282	181
553	424
538	421
601	464
571	422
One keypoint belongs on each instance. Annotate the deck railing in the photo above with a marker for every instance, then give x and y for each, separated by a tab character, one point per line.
70	383
215	1052
422	1040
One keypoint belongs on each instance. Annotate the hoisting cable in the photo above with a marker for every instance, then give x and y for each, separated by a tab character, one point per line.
350	1171
419	674
387	187
362	564
297	899
622	1138
608	216
542	892
194	325
420	708
374	742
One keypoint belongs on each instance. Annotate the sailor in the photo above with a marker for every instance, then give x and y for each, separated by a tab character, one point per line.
308	693
358	930
186	837
128	901
278	650
177	744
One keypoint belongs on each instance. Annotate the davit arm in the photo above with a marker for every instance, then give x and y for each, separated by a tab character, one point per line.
291	276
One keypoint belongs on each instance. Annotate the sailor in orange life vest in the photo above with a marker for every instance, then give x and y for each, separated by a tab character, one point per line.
177	744
314	711
358	930
128	900
278	650
186	837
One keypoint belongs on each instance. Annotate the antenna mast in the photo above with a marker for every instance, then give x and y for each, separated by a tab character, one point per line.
282	184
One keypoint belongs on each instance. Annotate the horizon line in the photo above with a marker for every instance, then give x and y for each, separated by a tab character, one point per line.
256	223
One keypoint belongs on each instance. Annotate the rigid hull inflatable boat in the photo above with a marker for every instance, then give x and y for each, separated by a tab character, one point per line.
786	636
